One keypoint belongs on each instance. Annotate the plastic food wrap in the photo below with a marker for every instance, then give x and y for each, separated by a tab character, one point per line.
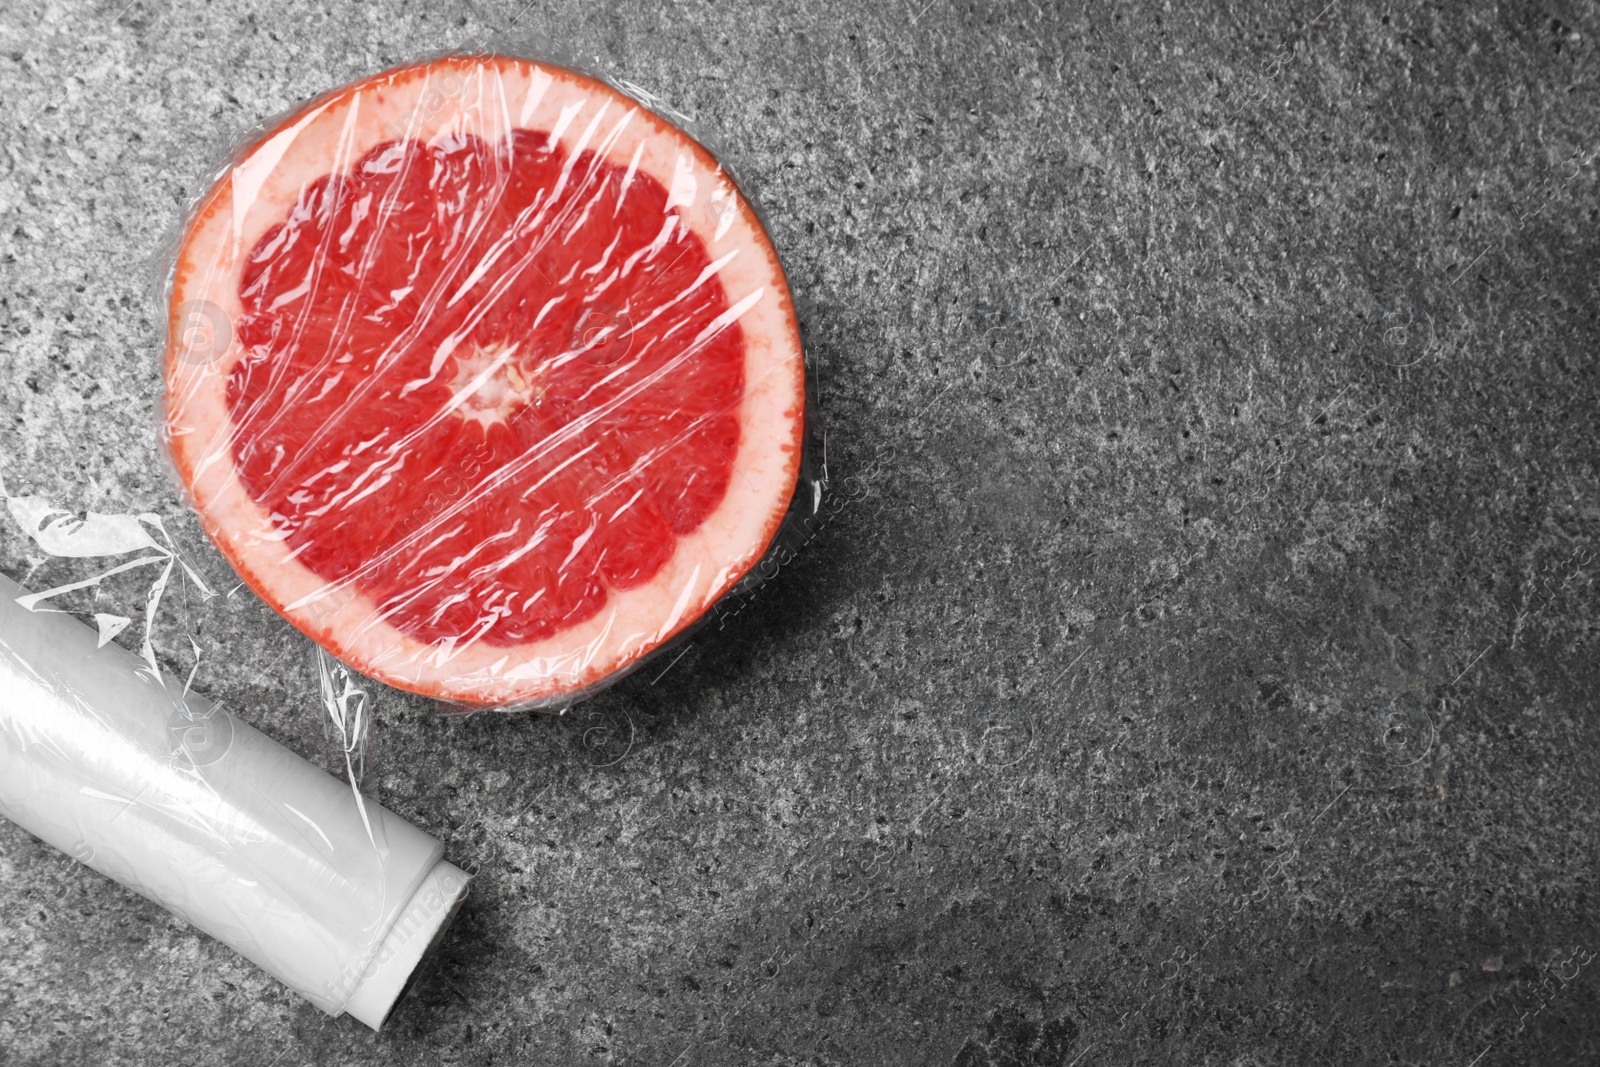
169	794
487	378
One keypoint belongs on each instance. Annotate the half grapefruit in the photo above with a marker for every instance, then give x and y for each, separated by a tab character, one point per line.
485	377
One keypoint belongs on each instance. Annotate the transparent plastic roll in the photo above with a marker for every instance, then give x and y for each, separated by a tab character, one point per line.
174	797
486	376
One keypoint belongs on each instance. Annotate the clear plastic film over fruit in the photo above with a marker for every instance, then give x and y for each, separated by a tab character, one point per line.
487	378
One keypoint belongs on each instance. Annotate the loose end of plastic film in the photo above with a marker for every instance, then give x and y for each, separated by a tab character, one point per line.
485	374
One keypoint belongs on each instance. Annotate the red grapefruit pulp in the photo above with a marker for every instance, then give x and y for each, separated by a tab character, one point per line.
485	377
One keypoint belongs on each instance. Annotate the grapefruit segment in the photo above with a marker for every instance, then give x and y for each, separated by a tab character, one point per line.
514	390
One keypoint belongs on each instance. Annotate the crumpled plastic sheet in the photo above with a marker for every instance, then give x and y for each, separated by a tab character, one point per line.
59	532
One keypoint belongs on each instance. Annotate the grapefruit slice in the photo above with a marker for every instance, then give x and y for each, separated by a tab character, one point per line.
485	377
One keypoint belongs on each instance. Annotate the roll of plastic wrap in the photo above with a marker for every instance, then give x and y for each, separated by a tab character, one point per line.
175	798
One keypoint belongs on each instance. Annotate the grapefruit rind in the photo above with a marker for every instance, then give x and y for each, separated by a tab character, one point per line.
488	97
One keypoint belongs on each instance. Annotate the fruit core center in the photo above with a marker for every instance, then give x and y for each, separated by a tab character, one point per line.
491	384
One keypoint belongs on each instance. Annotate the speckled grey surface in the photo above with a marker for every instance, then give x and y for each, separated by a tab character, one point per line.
1225	383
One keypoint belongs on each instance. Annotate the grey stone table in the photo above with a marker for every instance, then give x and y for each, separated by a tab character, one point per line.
1207	672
